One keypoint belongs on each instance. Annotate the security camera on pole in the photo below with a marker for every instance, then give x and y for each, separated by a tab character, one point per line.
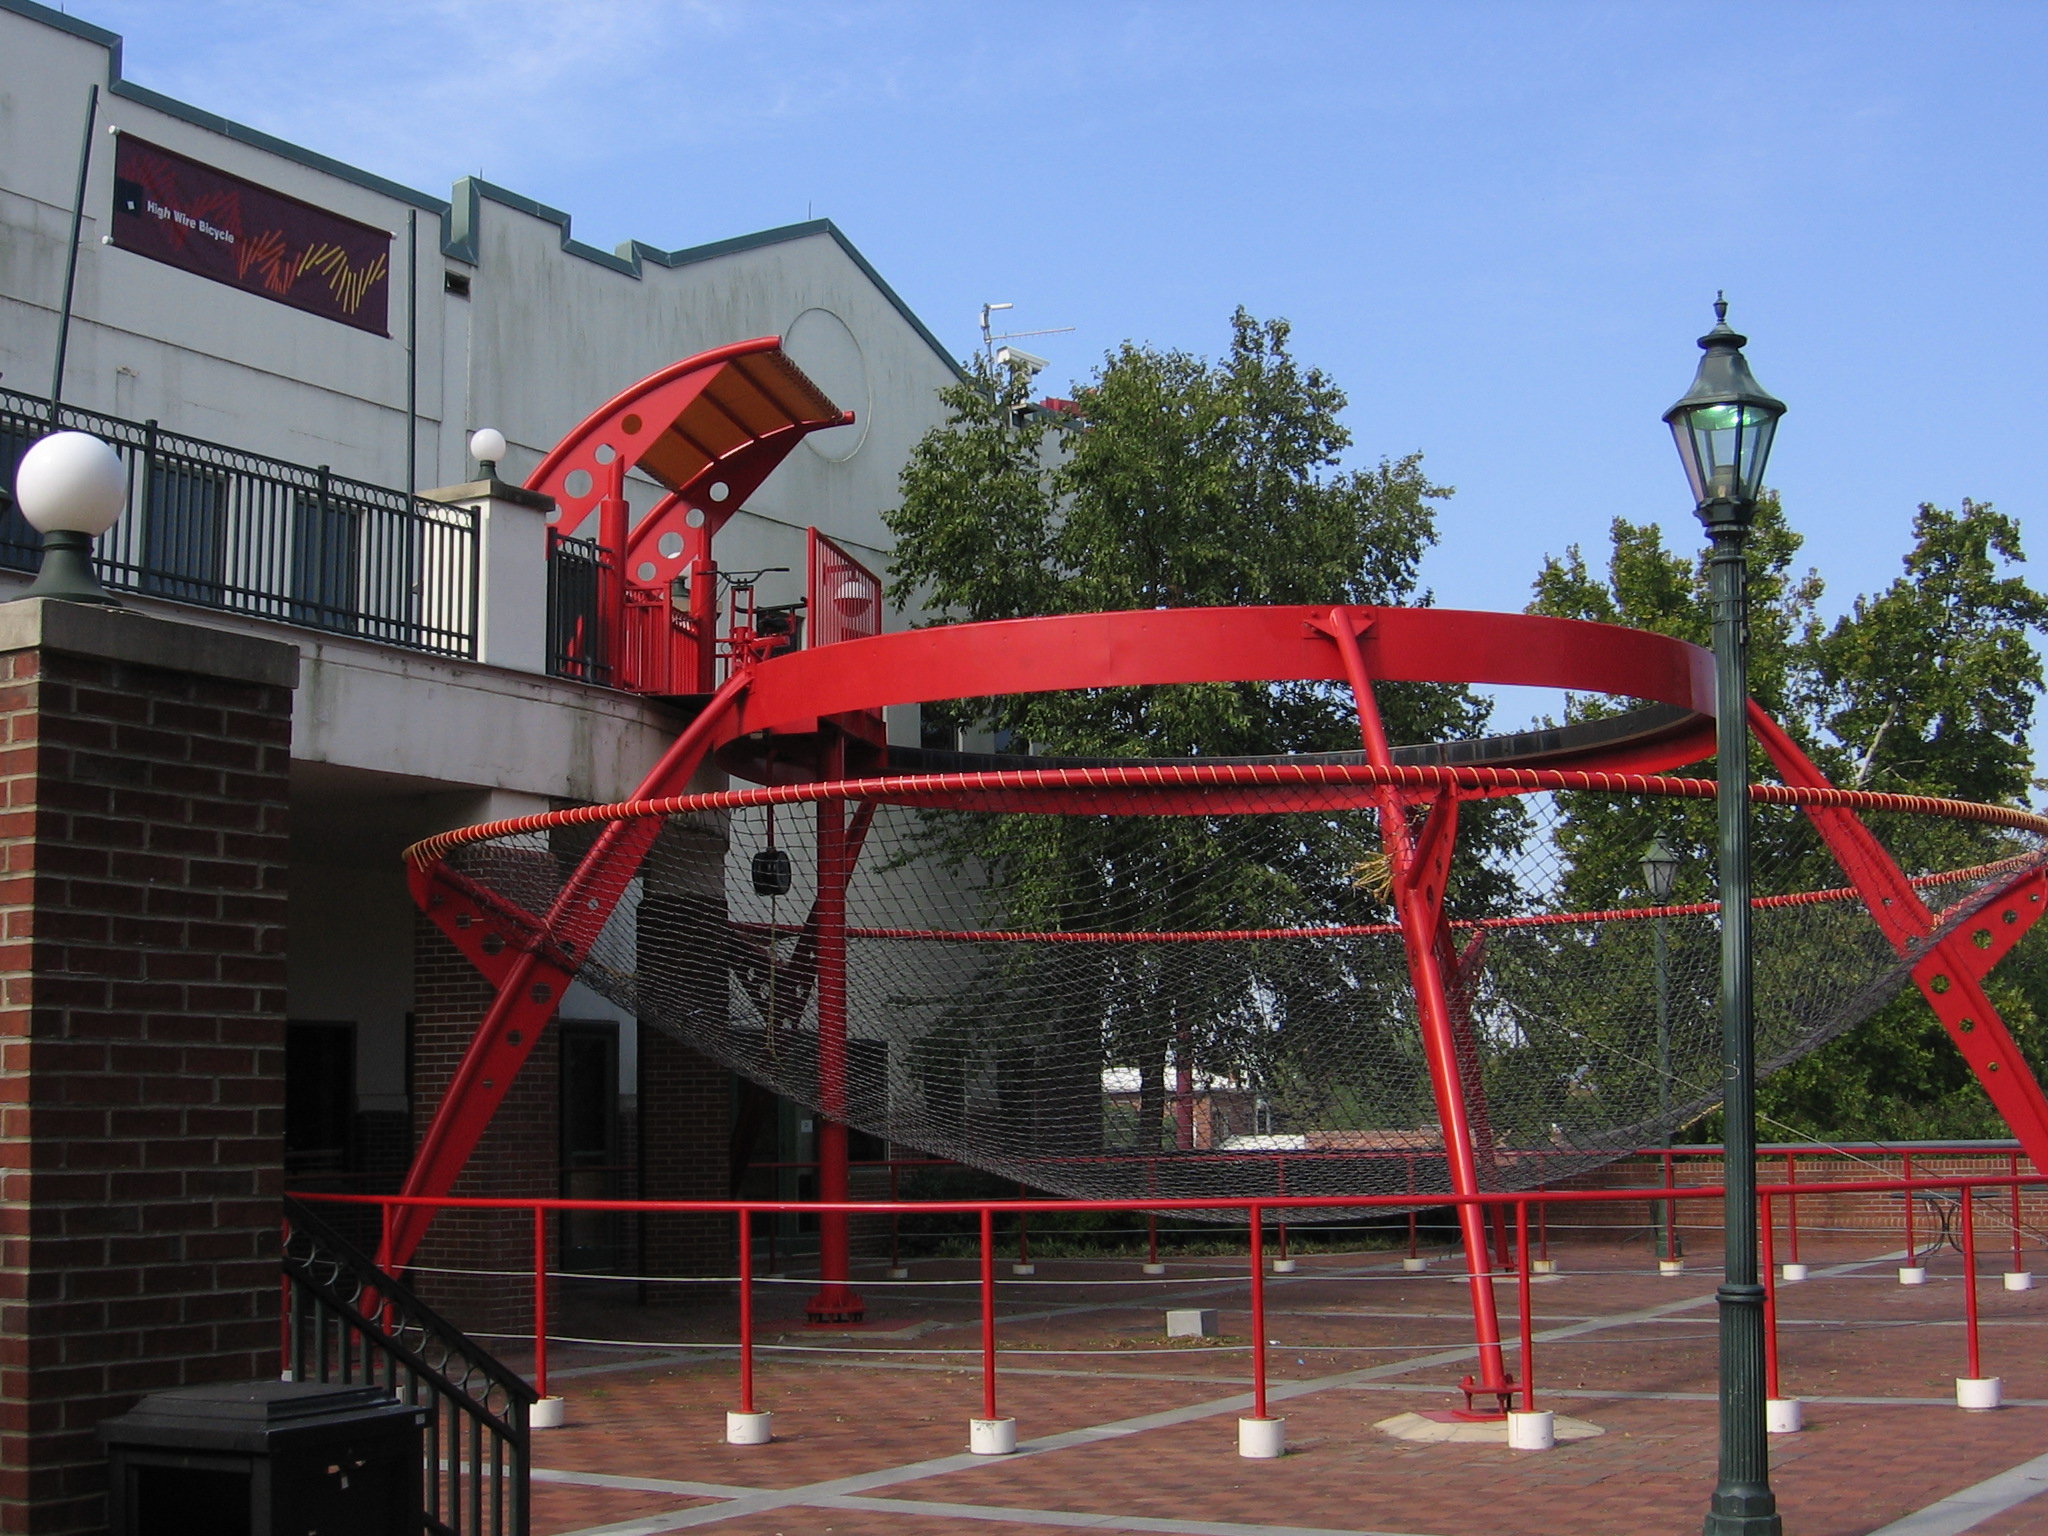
1723	428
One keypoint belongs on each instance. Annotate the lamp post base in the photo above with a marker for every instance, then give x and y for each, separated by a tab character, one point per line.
67	571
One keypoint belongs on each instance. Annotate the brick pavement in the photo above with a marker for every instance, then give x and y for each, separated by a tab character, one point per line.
1857	1468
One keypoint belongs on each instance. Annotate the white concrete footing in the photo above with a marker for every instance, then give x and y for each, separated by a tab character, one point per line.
1977	1393
1784	1415
992	1437
1261	1439
1671	1266
1532	1431
1912	1274
1415	1266
1543	1266
547	1413
749	1428
1283	1266
899	1273
1191	1323
1023	1269
1791	1274
2019	1280
1155	1269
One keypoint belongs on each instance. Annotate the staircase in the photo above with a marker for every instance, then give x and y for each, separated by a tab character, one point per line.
347	1321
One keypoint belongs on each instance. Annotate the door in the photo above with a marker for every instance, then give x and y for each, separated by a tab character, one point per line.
591	1240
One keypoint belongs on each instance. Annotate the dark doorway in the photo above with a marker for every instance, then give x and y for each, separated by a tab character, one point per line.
319	1101
591	1240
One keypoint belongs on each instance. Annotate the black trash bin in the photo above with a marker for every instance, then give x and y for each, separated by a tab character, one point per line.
265	1458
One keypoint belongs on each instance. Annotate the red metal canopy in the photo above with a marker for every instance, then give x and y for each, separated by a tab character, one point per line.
708	430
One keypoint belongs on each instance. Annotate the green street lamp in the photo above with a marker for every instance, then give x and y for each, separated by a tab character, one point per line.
1660	878
1723	427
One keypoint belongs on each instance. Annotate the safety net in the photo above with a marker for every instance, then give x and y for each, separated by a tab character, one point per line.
1150	982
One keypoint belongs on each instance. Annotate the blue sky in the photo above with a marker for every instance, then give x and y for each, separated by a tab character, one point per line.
1498	226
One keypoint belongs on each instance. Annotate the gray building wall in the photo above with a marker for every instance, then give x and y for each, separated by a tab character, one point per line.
390	746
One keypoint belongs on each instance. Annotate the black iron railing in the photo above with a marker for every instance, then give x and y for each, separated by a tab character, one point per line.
577	644
348	1321
225	529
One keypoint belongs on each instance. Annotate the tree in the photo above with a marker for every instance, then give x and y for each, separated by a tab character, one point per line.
1927	688
1177	481
1180	482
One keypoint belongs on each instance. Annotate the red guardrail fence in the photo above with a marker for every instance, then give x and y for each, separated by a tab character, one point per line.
1525	1207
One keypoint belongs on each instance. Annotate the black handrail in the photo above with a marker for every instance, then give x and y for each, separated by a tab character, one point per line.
348	1320
222	528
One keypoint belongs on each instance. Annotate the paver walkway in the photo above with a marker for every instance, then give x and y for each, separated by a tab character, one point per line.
1123	1433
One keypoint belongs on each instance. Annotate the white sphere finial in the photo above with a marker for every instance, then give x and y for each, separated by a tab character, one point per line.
71	482
487	445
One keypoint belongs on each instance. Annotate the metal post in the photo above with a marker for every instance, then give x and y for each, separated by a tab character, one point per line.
836	1301
92	108
1527	1307
1258	1244
1770	1308
412	355
1969	1214
540	1301
988	1313
1664	1211
1912	1245
1671	1206
2018	1258
1791	1209
1742	1502
746	1313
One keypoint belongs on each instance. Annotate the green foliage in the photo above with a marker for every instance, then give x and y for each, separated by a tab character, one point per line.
1177	481
1929	687
1181	483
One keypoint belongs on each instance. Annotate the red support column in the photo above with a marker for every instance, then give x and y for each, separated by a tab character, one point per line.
614	532
1770	1270
1419	911
836	1301
1969	1214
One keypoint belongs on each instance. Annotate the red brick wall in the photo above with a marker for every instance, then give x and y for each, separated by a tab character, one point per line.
685	1126
142	998
518	1157
1879	1216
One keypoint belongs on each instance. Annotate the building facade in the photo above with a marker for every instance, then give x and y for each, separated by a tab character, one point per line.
280	387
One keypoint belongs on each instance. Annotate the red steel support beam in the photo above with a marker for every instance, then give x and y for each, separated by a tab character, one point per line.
1418	903
835	1301
1951	976
532	986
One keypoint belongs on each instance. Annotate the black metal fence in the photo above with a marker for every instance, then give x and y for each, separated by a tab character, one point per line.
221	528
577	644
348	1321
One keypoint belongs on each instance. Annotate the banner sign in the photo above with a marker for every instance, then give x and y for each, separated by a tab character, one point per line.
189	215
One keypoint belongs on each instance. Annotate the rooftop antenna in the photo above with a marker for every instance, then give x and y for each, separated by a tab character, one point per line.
990	337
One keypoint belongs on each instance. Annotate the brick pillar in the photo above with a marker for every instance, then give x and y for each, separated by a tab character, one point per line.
685	1154
142	998
519	1156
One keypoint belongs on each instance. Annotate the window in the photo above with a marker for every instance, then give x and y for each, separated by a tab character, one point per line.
327	537
935	733
184	532
21	547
